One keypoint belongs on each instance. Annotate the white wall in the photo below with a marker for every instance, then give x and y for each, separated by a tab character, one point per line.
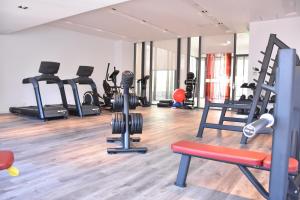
22	52
287	30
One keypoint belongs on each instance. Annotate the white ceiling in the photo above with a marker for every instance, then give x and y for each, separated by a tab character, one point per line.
39	12
145	20
140	20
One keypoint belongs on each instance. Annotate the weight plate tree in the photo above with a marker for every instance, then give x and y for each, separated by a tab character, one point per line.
126	123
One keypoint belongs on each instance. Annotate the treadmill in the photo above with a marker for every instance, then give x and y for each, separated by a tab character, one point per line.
79	109
44	112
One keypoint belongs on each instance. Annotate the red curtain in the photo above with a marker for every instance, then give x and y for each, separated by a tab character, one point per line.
209	86
228	73
210	79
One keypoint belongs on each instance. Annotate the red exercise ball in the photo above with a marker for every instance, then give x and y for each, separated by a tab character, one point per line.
179	95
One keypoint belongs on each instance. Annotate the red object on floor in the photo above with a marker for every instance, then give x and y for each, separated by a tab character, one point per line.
179	95
6	159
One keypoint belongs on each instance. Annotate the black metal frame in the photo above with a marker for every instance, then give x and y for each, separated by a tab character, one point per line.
286	139
125	134
49	79
273	41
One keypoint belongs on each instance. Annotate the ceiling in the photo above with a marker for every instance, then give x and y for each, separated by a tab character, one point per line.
145	20
16	15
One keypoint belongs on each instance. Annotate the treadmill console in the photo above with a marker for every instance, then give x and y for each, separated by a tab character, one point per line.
47	67
85	71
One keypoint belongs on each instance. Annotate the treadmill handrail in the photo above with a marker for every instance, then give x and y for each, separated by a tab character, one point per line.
44	77
84	81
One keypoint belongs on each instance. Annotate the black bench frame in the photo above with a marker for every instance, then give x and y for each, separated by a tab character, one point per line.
286	139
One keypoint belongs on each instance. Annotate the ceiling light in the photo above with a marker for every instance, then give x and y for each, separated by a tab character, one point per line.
291	14
204	11
23	7
68	22
228	42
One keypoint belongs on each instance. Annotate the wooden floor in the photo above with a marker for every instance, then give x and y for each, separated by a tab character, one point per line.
67	159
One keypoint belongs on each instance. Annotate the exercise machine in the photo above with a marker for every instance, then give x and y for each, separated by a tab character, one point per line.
44	112
260	98
142	90
283	163
83	73
190	87
182	98
126	123
109	90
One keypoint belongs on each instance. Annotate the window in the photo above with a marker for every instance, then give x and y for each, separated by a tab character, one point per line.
164	69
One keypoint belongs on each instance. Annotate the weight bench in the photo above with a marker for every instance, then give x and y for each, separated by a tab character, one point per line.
244	159
6	159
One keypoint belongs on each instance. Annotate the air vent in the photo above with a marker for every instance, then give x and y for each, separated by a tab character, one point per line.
23	7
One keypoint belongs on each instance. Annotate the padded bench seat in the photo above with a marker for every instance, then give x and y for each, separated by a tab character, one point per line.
6	159
229	155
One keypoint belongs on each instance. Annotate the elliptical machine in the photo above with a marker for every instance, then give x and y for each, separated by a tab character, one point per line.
109	90
142	89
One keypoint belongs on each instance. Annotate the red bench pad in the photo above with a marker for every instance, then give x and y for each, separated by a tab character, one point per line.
6	159
238	156
293	164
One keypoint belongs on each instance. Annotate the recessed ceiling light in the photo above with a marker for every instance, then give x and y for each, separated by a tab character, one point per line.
23	7
68	22
204	11
291	14
220	23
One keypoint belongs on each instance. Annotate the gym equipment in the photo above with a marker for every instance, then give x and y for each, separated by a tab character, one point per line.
190	88
83	73
126	123
179	95
283	163
109	91
142	89
188	99
44	112
6	163
262	90
118	102
266	120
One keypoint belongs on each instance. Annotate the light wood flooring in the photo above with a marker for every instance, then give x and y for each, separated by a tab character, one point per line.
67	159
